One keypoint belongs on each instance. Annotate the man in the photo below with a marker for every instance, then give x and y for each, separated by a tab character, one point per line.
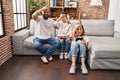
44	34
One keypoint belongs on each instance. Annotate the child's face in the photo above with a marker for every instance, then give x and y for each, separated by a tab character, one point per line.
63	17
79	30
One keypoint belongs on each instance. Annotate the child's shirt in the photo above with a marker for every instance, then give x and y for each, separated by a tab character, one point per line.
79	38
63	28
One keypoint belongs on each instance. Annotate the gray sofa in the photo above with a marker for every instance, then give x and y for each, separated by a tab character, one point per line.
104	48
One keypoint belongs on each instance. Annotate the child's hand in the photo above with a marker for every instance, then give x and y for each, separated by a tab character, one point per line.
56	27
83	41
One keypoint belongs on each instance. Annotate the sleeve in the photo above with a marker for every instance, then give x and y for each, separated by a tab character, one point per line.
86	38
70	29
39	17
56	24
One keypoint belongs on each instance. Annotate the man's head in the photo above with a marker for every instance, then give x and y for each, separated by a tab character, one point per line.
46	13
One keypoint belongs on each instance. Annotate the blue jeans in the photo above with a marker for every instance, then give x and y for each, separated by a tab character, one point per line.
64	45
38	45
78	50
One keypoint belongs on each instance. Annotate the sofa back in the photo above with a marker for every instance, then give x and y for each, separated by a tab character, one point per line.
33	25
98	27
92	27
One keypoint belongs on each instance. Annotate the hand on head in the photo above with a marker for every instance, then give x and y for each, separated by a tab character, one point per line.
45	8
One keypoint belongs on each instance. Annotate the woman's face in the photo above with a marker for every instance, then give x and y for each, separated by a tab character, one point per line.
79	30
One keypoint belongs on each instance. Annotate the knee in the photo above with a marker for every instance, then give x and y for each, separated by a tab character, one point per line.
57	42
67	40
82	45
74	45
36	46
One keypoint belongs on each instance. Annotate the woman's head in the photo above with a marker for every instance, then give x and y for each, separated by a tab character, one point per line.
79	30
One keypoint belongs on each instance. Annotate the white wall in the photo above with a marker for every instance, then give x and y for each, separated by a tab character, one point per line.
114	13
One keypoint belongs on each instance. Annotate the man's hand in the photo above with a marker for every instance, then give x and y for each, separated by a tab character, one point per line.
36	13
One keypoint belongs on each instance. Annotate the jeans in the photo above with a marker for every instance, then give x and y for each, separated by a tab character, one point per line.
64	45
78	50
38	45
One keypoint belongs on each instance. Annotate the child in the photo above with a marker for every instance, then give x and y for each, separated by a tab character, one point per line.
79	45
63	31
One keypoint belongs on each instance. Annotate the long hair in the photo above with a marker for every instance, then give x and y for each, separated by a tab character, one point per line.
73	33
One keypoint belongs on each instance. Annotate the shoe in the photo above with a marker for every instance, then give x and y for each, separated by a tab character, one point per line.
44	59
50	58
84	69
72	69
65	56
61	55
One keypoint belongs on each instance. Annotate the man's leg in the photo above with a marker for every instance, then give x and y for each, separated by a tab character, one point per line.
38	45
54	44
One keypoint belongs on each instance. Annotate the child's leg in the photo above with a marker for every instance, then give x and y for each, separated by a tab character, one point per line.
83	55
62	45
73	55
67	45
61	48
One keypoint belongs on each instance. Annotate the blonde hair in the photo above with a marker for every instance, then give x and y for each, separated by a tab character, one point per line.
73	33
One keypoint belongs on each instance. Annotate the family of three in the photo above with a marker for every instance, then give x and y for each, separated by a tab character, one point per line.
65	35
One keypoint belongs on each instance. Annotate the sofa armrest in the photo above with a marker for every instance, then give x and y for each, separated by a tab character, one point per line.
18	39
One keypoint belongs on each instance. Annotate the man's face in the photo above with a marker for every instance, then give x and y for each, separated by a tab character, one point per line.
46	14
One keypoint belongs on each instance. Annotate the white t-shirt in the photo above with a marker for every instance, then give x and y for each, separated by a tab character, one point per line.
63	28
84	37
44	28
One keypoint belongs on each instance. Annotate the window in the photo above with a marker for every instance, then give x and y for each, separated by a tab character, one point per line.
1	21
20	14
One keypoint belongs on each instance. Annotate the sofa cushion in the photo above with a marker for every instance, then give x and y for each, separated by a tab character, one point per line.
98	27
29	43
104	47
117	34
32	27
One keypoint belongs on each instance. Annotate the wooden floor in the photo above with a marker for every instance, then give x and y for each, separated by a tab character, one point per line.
32	68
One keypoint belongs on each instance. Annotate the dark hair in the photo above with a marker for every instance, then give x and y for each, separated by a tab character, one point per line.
64	13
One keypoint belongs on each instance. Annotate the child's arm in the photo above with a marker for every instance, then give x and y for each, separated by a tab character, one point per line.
86	43
59	18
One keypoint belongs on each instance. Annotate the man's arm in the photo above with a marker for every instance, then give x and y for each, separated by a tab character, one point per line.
36	13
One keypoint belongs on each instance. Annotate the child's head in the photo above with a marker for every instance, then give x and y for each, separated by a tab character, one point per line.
63	16
79	30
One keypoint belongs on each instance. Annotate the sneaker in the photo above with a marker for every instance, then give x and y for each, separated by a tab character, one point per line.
72	69
44	59
84	69
50	58
61	55
65	56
